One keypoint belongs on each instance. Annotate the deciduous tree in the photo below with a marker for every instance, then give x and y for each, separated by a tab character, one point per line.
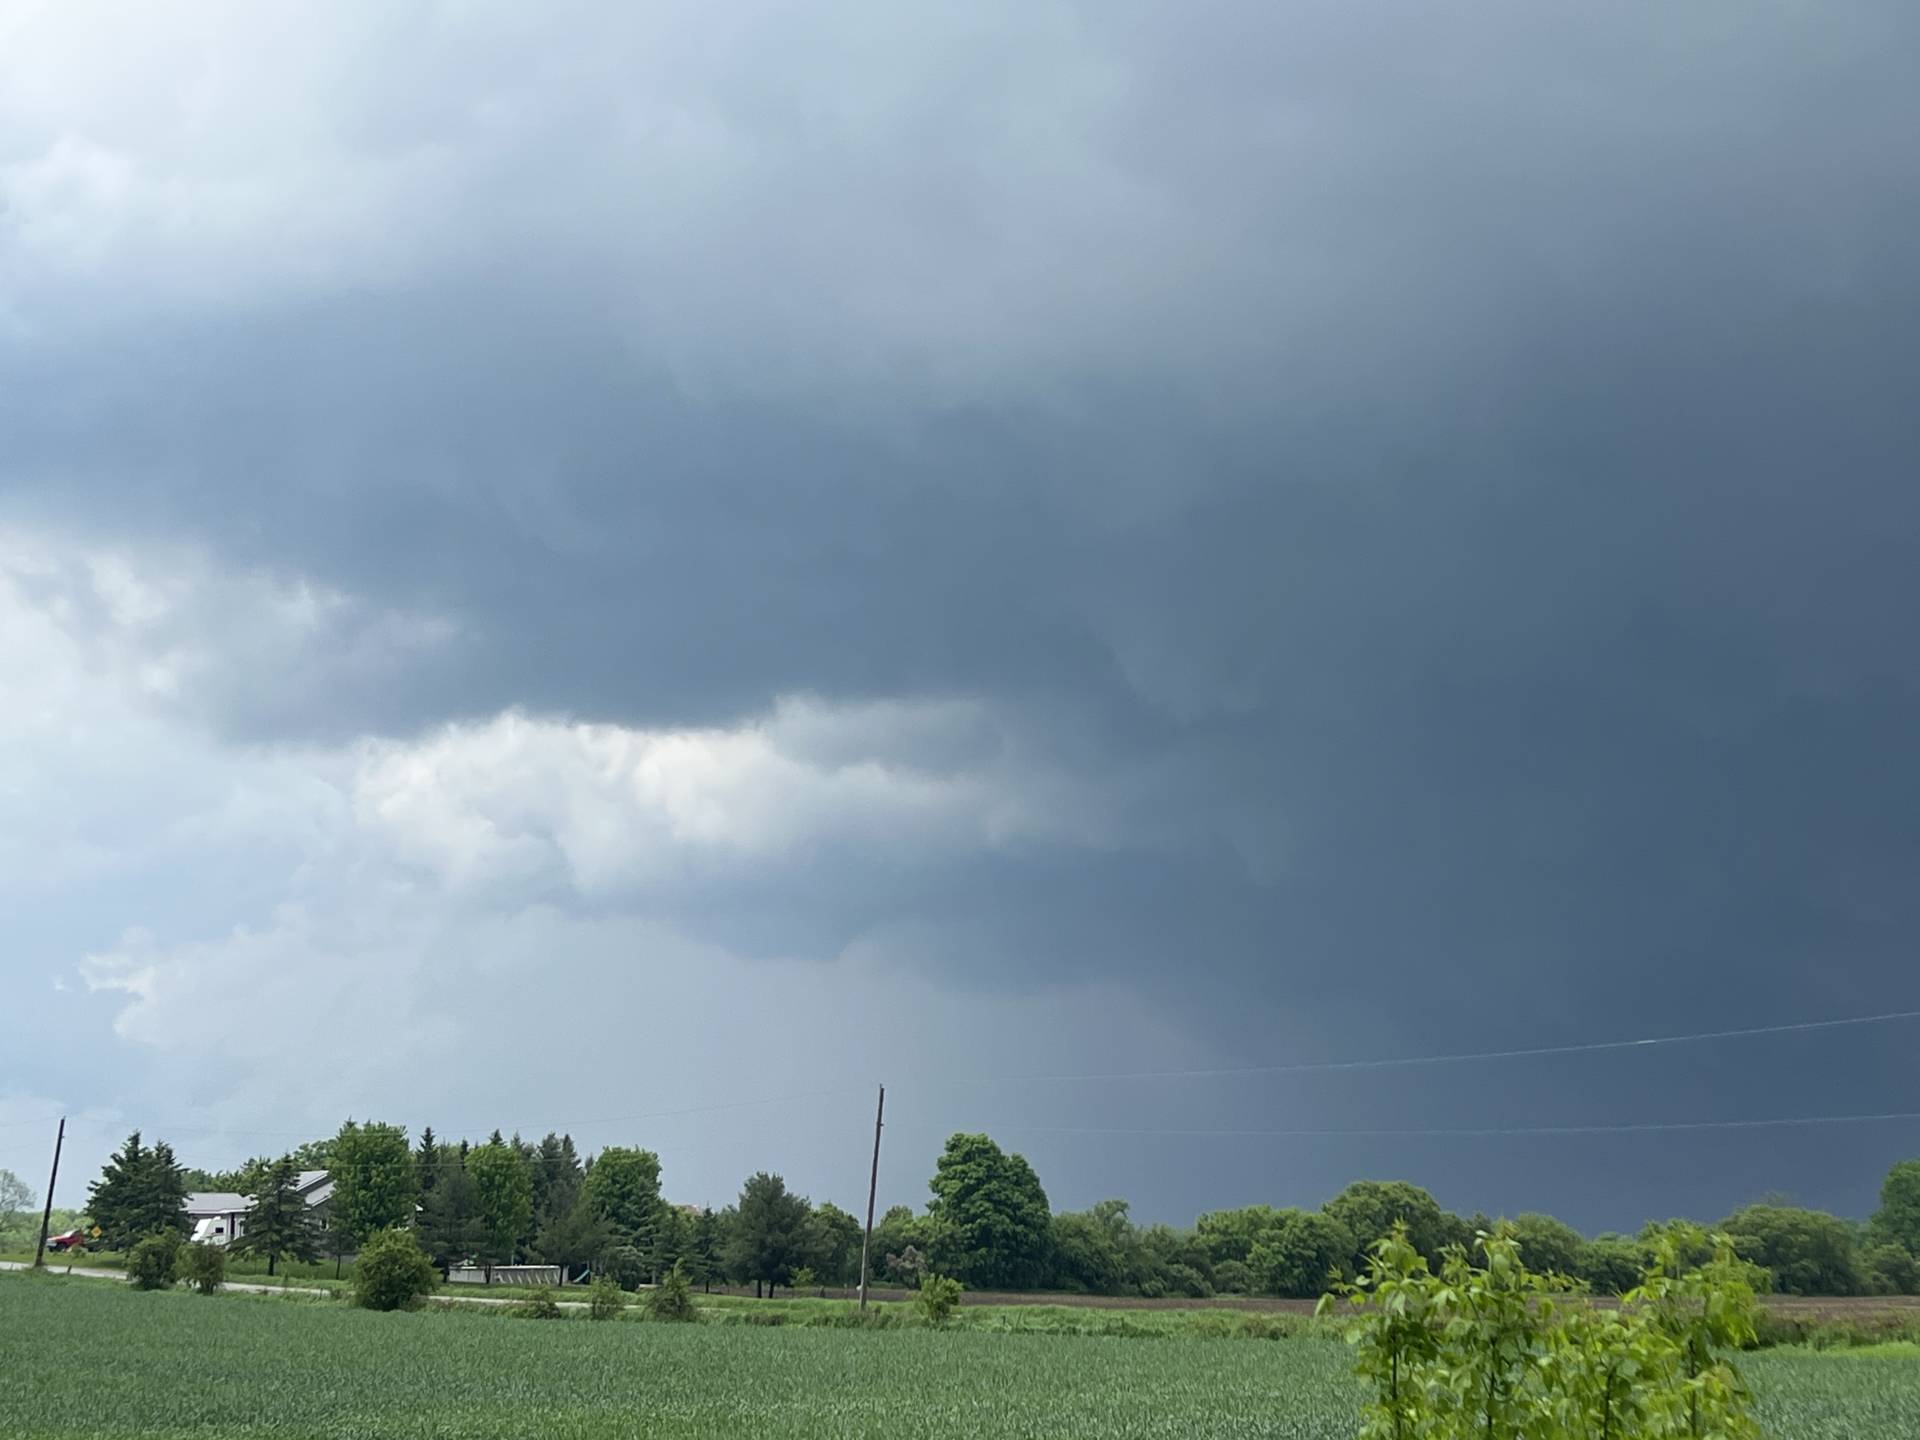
624	1188
375	1182
1897	1222
991	1223
503	1200
769	1239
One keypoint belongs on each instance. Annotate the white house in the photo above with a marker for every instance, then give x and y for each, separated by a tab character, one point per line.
219	1217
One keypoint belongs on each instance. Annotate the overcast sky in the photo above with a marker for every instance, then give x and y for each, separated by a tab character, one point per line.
565	562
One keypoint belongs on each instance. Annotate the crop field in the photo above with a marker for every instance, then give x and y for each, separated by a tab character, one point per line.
91	1358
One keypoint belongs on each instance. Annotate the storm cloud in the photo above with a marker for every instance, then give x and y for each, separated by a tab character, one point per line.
956	542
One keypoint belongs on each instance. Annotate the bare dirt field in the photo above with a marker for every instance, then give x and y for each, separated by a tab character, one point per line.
1800	1307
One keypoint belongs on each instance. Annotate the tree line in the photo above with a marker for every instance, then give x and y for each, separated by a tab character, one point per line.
988	1224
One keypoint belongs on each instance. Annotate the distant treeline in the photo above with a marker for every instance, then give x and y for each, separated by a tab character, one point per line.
988	1224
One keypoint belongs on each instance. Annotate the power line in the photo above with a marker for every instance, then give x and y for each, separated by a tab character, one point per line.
1474	1130
201	1127
1304	1067
1200	1072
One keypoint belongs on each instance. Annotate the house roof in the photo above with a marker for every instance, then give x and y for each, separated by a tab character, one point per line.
313	1186
215	1202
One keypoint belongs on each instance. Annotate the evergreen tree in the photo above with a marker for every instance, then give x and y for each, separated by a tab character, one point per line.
770	1232
577	1238
704	1262
140	1192
556	1178
279	1222
450	1224
672	1232
426	1160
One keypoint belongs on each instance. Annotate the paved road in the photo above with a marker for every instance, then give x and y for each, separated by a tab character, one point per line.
241	1287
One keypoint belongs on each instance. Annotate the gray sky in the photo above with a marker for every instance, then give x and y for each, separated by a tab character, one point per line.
563	563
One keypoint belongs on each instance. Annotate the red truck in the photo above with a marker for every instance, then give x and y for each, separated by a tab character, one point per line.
72	1240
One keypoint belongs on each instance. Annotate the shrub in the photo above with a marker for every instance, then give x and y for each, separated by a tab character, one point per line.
150	1262
606	1301
1488	1352
909	1267
938	1295
803	1280
626	1265
393	1272
539	1305
672	1298
201	1266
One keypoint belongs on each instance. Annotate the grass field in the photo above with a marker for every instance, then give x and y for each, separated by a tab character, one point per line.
94	1359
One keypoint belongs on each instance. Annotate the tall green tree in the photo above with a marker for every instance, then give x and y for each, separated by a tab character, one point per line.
503	1199
623	1187
834	1250
1301	1254
557	1177
1897	1221
705	1260
1808	1251
426	1162
578	1237
1371	1208
769	1232
140	1192
991	1222
16	1197
375	1182
278	1222
450	1219
1549	1246
672	1233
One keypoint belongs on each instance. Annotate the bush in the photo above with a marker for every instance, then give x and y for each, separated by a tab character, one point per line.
672	1298
393	1272
626	1265
803	1280
938	1295
909	1267
203	1267
1489	1351
606	1300
150	1262
539	1305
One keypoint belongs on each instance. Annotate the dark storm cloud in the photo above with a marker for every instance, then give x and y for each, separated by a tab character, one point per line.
1478	489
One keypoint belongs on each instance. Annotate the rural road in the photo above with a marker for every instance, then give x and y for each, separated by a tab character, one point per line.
243	1288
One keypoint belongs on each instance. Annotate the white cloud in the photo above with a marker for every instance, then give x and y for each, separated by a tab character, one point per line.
519	799
492	919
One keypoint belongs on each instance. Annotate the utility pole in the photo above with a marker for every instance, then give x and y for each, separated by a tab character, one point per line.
46	1215
873	1184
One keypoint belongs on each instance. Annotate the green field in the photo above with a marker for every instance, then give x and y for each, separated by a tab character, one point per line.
92	1358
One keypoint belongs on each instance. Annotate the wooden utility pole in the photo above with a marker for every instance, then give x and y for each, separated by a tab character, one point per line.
873	1184
46	1215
